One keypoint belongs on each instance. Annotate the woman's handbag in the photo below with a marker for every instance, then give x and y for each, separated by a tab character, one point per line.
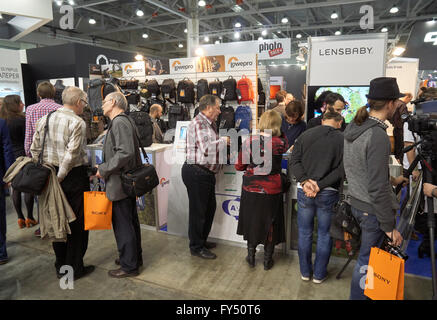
141	180
32	178
97	210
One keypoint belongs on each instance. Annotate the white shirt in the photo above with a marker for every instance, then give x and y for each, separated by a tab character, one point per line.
409	137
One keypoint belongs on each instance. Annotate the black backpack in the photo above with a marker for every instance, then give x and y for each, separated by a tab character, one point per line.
177	112
226	119
186	91
202	88
216	87
168	88
152	87
230	89
145	126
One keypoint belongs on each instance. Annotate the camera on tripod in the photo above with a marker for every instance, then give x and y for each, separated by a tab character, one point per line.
425	119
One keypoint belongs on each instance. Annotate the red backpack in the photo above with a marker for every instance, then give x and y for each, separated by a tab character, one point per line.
244	85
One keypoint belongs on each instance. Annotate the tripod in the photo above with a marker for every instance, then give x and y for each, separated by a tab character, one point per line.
425	157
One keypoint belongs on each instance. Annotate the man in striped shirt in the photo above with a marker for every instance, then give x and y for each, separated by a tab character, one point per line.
65	149
204	148
46	92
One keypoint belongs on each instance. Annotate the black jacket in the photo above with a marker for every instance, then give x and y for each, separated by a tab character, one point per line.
318	121
318	155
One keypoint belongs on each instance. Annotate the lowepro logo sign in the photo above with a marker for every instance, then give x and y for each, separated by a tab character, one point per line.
178	66
431	37
163	182
273	48
128	69
234	62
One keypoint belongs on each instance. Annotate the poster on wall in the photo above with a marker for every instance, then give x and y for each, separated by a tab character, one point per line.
11	79
113	70
156	66
210	64
406	72
95	71
346	60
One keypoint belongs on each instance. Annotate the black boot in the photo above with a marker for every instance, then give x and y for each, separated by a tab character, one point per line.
251	250
268	254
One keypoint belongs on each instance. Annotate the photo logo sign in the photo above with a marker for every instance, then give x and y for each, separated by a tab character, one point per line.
431	37
245	62
274	49
186	65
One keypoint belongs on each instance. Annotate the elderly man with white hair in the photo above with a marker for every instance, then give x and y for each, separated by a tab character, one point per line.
121	154
65	150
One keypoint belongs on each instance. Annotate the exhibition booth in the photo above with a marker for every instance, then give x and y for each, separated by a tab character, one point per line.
343	64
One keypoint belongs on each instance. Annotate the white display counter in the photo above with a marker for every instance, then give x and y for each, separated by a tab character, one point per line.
152	208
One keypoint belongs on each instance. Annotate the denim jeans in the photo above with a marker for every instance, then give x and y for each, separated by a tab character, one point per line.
371	236
307	209
3	253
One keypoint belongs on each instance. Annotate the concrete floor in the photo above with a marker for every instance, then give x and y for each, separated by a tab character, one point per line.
169	272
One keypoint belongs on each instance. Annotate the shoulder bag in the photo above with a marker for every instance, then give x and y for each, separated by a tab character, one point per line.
141	180
32	178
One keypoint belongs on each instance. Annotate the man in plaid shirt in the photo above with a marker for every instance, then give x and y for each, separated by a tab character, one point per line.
46	92
204	148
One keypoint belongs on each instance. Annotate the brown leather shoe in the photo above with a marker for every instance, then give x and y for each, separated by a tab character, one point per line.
210	245
21	223
119	273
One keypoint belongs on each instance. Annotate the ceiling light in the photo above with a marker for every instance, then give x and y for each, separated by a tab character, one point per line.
199	52
145	35
139	57
298	36
140	13
237	35
59	2
279	31
185	30
394	9
221	38
337	33
431	21
398	51
384	29
334	15
180	45
260	39
201	3
71	2
206	39
264	33
217	42
92	21
284	20
238	25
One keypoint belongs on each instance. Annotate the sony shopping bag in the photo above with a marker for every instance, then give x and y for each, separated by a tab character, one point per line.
97	210
385	276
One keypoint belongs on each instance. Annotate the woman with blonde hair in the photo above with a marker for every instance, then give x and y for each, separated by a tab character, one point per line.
12	112
261	218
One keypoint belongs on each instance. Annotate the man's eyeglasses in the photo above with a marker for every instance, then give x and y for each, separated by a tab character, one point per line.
86	103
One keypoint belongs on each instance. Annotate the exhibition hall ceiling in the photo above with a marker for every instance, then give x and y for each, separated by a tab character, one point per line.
158	27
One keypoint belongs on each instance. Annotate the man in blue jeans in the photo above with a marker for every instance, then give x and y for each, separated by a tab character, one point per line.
6	159
316	162
366	159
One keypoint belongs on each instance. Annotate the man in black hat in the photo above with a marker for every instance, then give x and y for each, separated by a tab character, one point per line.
366	159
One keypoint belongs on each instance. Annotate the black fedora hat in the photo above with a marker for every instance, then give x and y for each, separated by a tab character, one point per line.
384	88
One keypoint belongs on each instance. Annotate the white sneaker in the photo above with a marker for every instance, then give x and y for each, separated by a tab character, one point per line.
305	278
319	281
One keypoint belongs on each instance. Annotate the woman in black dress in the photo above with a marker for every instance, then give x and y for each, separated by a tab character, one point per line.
261	218
12	112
